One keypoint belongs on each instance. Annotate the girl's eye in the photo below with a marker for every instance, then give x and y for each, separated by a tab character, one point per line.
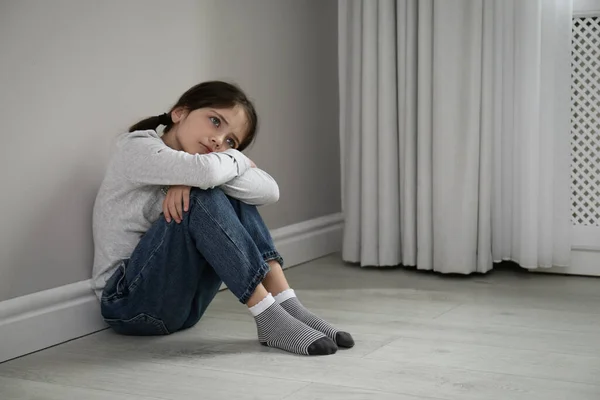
231	143
216	121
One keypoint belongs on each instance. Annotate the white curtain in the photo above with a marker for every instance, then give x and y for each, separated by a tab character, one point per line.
454	132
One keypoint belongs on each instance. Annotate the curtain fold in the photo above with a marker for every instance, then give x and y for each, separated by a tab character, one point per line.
454	132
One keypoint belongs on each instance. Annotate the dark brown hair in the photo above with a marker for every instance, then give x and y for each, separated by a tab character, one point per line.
215	94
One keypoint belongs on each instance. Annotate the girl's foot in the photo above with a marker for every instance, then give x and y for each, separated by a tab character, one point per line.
276	328
292	305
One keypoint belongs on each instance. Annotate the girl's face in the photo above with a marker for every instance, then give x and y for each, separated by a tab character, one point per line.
207	130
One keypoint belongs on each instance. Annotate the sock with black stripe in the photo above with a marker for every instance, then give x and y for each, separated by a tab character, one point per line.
292	305
276	328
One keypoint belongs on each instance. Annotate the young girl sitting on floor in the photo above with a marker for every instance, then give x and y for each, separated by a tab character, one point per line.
176	215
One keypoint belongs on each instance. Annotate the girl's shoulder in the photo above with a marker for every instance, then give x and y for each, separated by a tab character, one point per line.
147	134
138	144
138	137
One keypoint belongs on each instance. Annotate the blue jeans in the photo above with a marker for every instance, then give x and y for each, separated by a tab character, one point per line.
176	269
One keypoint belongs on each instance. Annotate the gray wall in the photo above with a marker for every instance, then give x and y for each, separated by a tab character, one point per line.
74	73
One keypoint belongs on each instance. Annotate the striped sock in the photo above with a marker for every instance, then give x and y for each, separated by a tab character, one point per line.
276	328
292	305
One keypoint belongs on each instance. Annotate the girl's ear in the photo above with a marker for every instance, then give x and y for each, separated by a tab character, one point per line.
178	114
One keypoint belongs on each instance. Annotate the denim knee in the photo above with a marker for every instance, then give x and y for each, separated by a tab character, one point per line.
207	194
208	199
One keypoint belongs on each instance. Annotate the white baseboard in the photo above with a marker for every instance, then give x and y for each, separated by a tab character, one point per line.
584	262
43	319
306	241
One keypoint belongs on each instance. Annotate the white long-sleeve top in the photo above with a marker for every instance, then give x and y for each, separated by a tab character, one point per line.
130	197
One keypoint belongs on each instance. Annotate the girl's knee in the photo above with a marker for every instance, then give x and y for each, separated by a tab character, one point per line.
201	194
216	200
208	198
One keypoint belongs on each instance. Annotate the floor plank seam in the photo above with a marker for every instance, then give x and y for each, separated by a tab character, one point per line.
75	386
447	311
551	379
296	391
201	367
545	351
359	386
365	356
373	390
229	371
577	329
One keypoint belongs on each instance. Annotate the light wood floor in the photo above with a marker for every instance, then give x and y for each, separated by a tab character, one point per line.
502	336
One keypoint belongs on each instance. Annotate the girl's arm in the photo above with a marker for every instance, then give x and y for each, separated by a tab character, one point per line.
150	161
255	187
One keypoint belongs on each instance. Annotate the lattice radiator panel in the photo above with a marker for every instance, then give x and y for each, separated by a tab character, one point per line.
585	122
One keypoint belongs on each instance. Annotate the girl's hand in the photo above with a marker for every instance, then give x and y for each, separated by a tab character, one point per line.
176	203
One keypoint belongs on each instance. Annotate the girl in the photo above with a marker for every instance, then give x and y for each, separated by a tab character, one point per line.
157	275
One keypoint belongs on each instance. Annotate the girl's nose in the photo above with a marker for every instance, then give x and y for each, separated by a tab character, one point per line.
216	142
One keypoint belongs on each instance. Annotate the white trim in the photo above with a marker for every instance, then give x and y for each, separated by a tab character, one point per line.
583	262
586	238
586	8
306	241
585	253
32	322
583	14
43	319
